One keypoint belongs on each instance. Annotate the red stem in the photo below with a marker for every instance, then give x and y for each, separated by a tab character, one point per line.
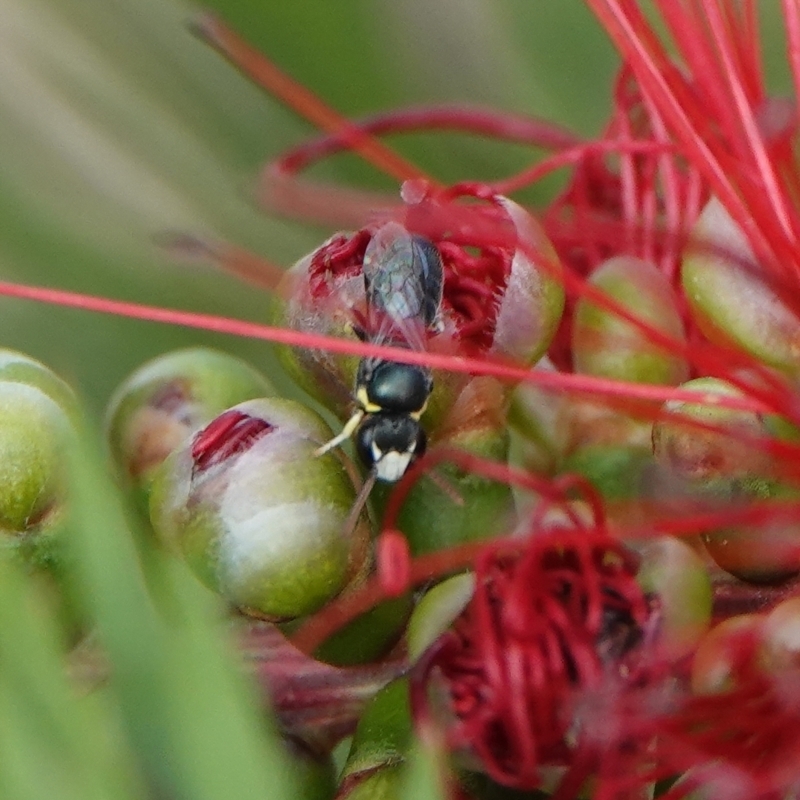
598	387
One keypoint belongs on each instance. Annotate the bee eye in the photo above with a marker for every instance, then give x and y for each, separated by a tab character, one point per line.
364	439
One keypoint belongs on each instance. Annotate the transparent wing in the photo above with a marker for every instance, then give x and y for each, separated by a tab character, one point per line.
403	283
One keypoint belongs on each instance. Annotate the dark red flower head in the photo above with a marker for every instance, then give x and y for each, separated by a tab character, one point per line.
549	624
475	277
743	742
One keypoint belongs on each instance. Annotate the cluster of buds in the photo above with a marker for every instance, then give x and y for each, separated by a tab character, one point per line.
539	399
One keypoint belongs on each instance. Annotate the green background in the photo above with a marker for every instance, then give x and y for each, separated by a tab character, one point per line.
116	125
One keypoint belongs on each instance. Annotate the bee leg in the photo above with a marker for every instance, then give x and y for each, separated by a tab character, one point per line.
359	331
346	433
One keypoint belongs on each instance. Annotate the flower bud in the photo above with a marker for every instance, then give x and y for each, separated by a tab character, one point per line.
730	293
19	368
495	300
675	575
781	636
436	611
257	516
532	300
766	554
710	457
34	432
610	449
725	652
605	344
375	765
454	505
168	398
537	417
727	465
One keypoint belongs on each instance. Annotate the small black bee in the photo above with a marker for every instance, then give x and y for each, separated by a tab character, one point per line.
403	278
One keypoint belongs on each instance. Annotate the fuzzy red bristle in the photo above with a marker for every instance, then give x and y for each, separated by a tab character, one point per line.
548	620
229	434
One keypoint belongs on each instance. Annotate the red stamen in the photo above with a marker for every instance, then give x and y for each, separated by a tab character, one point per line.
393	559
578	384
229	434
340	257
550	619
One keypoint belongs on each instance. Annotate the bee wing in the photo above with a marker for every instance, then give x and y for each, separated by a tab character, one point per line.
403	282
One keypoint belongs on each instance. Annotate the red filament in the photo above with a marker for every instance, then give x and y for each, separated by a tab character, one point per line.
547	622
474	281
229	434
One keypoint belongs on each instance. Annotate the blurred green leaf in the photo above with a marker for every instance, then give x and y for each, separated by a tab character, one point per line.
196	728
55	742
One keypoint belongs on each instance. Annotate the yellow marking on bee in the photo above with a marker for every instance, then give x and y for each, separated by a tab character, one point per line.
363	400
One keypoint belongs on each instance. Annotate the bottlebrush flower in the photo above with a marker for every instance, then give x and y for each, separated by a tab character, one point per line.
559	615
715	106
496	300
551	622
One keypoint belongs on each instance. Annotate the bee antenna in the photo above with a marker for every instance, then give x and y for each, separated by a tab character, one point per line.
345	434
360	501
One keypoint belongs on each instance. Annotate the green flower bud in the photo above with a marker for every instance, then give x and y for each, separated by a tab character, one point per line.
431	518
320	308
676	575
731	300
34	432
610	449
711	458
727	466
618	473
531	305
375	766
18	368
167	399
537	418
605	344
257	516
436	611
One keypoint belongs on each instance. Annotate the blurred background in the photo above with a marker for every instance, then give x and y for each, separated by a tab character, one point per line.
116	125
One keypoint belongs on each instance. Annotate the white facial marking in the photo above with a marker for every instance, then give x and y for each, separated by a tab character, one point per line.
392	466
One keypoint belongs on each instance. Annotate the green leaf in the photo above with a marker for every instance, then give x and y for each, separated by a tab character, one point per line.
196	728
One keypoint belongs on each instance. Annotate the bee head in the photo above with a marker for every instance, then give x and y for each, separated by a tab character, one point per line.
388	443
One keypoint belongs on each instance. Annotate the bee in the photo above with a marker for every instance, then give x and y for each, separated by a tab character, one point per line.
403	281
